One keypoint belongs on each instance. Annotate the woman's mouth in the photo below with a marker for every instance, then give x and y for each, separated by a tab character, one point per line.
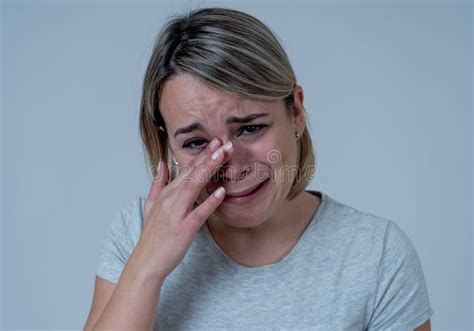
246	195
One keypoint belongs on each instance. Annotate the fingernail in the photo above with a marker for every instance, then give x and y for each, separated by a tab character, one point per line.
214	143
217	154
219	192
227	146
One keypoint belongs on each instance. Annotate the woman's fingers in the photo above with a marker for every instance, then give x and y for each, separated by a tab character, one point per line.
170	223
201	213
186	172
159	182
202	173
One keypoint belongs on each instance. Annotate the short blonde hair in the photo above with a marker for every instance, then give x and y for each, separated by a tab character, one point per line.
230	51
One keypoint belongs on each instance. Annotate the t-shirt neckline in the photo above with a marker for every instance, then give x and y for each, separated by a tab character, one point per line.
315	220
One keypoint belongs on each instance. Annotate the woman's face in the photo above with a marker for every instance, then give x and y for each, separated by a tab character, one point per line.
259	173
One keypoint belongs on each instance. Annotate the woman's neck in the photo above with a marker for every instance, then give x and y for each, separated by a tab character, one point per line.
273	239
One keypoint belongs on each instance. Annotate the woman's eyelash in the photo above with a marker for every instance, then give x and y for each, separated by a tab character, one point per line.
259	128
189	144
246	130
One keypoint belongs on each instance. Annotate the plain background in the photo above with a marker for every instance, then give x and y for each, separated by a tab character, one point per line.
388	89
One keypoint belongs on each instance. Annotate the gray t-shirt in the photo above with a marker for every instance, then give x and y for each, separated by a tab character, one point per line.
350	270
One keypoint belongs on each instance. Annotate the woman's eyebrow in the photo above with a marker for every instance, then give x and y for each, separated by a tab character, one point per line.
197	127
245	119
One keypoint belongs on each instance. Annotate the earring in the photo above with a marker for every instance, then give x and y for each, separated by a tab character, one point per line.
175	163
297	134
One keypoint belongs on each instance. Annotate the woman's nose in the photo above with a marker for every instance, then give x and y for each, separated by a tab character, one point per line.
234	167
233	173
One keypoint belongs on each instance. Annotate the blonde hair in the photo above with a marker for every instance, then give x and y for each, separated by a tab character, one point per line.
230	51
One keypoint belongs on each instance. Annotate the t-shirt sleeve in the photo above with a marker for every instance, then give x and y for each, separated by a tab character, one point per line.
401	301
121	237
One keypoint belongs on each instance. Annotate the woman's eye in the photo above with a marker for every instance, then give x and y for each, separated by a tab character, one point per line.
195	143
247	130
251	129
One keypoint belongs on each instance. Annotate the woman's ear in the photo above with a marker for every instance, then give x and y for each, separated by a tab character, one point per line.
298	109
298	94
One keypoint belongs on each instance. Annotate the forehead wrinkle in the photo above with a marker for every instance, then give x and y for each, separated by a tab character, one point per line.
204	105
213	112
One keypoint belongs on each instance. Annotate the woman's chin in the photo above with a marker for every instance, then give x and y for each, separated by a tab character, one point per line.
243	216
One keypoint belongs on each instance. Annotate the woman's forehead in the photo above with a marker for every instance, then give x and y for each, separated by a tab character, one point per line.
185	90
185	98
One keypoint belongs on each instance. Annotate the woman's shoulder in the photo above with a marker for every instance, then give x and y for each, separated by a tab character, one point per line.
121	236
345	216
127	220
343	221
132	210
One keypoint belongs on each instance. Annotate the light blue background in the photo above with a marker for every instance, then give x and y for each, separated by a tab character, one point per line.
388	87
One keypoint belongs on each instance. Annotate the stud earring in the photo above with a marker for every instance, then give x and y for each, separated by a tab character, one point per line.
297	134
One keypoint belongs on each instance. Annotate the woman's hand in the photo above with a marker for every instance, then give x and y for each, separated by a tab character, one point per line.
170	222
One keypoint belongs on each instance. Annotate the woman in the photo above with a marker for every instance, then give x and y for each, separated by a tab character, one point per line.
228	237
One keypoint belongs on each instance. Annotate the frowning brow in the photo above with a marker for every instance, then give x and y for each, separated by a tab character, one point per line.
197	127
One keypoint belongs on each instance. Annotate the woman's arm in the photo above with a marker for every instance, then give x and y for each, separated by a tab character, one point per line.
103	290
170	224
133	301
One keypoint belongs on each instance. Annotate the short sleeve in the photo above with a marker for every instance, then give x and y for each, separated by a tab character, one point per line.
121	237
401	301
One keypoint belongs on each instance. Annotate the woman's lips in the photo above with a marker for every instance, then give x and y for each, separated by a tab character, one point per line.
244	192
247	195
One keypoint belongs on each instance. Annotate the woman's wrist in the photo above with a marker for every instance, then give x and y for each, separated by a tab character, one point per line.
143	269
